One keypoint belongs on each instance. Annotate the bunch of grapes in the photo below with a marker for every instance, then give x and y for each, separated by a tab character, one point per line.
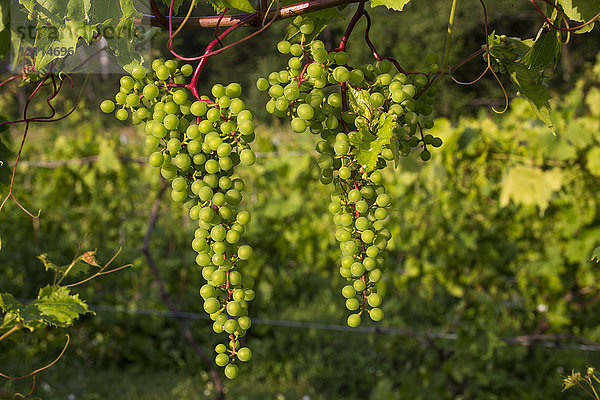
197	144
365	117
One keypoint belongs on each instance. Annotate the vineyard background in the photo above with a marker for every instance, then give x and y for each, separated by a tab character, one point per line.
490	291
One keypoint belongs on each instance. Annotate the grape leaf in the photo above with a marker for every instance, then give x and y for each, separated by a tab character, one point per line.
581	10
53	306
595	255
397	5
242	5
65	37
593	161
533	90
530	186
320	20
368	150
545	51
359	101
176	4
58	307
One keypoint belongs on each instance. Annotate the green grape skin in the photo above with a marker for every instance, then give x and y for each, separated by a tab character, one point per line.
244	354
283	47
376	314
354	320
107	106
231	371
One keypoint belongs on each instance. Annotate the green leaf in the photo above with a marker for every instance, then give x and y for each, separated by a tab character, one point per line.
397	5
176	4
320	20
530	186
242	5
102	12
58	307
581	11
368	150
545	52
65	37
593	161
595	254
122	43
359	101
592	99
48	265
533	90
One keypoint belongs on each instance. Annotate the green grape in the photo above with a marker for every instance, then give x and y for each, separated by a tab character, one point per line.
376	314
283	47
122	114
244	354
163	73
262	84
354	320
107	106
247	157
231	371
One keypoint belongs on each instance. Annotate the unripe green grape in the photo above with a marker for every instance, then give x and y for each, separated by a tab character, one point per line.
359	285
262	84
314	70
374	300
352	304
107	106
244	354
122	114
244	322
425	155
127	83
298	125
233	308
376	314
243	217
218	198
236	106
244	252
213	115
230	326
296	49
320	55
211	304
341	74
179	184
182	161
247	157
220	348
283	47
348	291
340	57
375	275
217	90
233	197
357	269
163	73
231	371
354	320
341	148
156	159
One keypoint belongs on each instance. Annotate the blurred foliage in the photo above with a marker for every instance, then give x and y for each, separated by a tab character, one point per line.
491	239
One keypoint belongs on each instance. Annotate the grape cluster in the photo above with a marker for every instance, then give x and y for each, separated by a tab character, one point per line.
197	144
365	117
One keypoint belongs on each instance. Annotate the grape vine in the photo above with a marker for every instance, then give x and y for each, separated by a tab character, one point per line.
197	146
